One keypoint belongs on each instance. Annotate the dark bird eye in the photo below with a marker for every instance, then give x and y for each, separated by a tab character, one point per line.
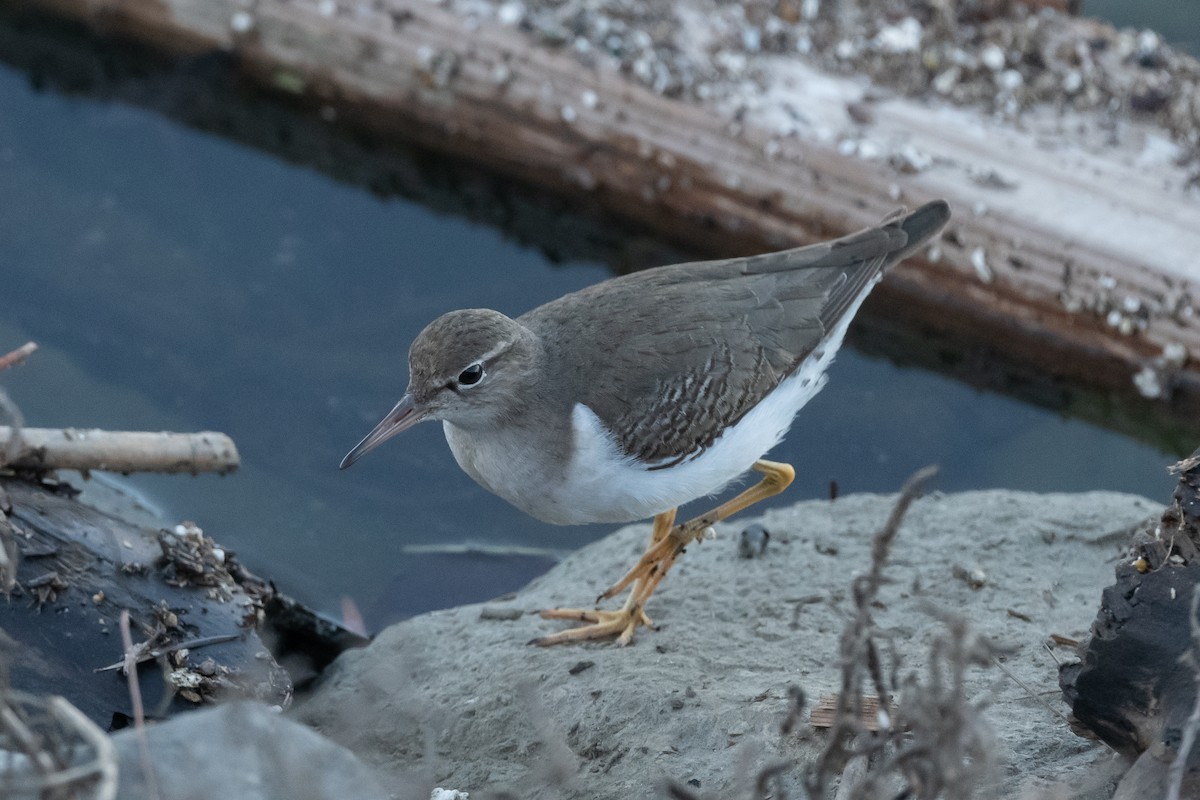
471	375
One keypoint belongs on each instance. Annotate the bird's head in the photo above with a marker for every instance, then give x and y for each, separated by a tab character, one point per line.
466	368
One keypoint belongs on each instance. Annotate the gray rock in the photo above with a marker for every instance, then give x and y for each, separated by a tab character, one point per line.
245	751
457	699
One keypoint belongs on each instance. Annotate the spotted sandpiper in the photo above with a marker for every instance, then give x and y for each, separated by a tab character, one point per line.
628	398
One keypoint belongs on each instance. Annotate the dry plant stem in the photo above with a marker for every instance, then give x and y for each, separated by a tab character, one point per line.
28	741
856	648
106	753
53	751
945	750
135	696
17	356
118	451
1188	739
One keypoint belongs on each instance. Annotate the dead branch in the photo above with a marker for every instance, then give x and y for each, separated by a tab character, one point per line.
119	451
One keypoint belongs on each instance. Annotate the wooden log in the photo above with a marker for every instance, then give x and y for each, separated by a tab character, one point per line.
1135	683
118	451
1041	265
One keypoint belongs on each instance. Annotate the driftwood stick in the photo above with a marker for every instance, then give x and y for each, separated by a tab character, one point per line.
120	451
18	355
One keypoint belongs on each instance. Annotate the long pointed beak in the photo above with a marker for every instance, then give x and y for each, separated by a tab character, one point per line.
398	420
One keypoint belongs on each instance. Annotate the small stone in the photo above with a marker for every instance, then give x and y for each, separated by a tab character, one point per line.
1148	383
1072	82
992	57
974	577
752	541
1010	80
945	82
511	13
241	22
910	160
903	37
752	40
1174	354
979	262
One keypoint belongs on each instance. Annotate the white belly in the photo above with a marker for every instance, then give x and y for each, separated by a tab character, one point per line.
605	487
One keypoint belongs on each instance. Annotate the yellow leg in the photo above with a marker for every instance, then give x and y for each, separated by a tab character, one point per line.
604	624
667	542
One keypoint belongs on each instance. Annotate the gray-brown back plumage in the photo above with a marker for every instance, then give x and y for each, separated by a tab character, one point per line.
720	336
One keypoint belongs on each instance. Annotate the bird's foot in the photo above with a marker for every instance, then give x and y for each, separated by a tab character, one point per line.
604	624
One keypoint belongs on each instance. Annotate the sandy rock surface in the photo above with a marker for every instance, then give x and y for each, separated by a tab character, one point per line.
457	699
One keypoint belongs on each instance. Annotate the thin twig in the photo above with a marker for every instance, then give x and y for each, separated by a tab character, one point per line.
17	356
139	718
142	653
1029	691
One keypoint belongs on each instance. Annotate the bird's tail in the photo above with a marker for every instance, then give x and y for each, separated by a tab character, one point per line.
919	226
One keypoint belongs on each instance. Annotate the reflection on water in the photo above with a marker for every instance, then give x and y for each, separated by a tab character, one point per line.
178	281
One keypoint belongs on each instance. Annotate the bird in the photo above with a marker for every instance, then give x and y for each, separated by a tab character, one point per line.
628	398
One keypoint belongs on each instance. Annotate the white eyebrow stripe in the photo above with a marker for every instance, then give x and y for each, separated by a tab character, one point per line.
495	351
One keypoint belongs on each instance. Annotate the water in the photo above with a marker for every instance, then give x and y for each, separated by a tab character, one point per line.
176	280
1177	20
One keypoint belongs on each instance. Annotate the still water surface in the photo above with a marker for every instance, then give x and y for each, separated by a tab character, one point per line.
179	281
